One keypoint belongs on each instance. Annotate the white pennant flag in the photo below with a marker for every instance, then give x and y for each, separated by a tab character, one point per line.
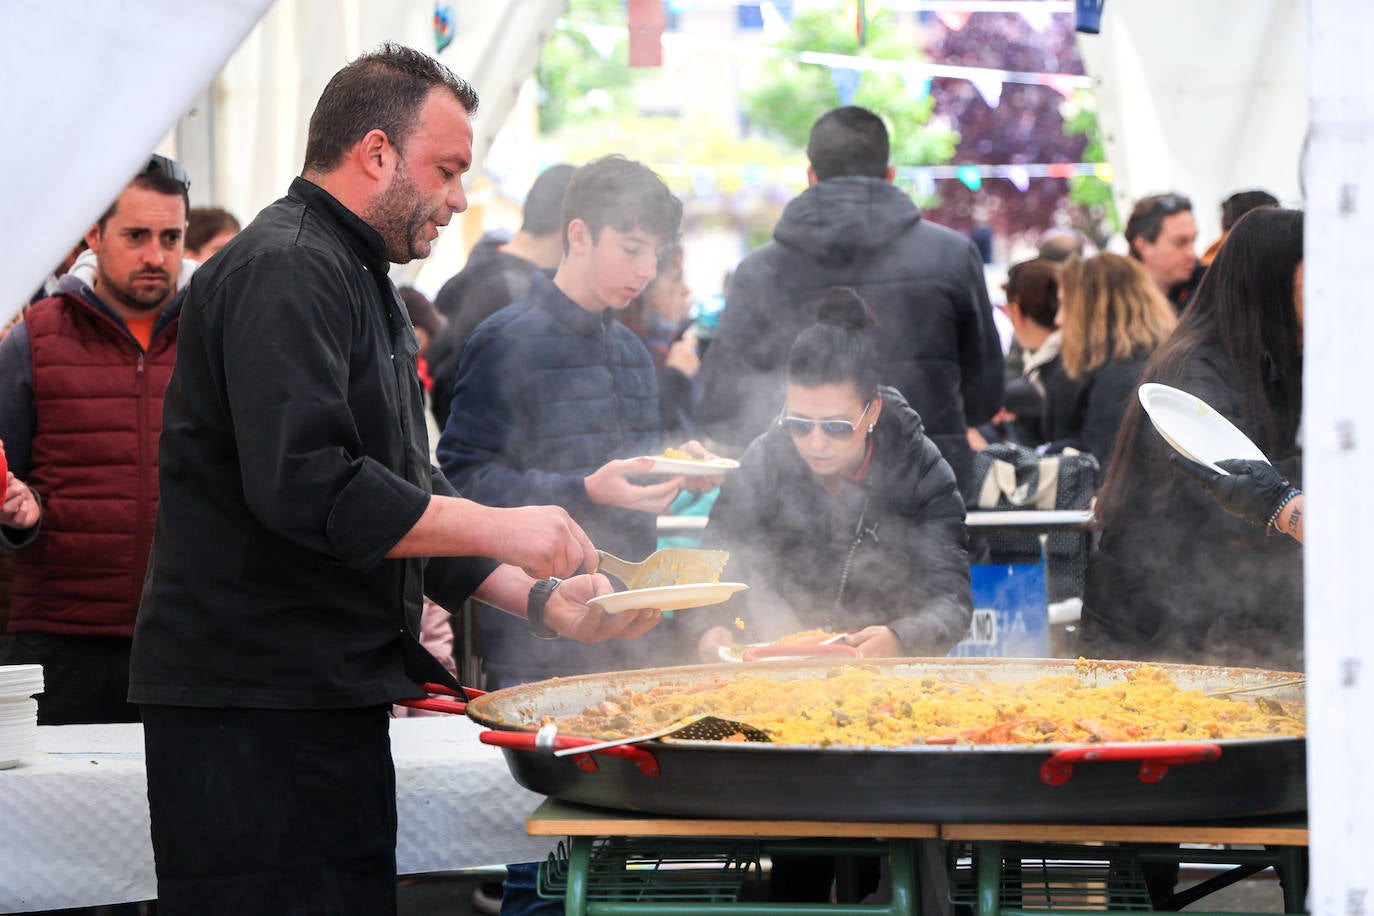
603	39
989	87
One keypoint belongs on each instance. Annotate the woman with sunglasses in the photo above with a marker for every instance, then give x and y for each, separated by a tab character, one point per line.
843	516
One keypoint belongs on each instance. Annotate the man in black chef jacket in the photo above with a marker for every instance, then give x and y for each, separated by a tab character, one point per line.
297	508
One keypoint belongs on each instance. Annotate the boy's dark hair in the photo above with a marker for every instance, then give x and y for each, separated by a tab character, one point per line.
204	223
621	194
838	348
848	141
382	90
544	203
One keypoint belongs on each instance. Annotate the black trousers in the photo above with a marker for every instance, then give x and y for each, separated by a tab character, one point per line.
85	678
284	812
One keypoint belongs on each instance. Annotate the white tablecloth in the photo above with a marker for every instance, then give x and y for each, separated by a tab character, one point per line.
74	821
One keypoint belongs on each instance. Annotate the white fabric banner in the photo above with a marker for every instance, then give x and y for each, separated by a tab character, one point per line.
1203	99
91	87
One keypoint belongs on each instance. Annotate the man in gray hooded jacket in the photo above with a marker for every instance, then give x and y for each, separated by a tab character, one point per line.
924	284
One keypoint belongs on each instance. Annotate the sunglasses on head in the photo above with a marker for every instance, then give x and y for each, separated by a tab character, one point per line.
168	167
1168	204
800	427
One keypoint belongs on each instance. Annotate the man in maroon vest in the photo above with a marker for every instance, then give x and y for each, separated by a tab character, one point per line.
81	386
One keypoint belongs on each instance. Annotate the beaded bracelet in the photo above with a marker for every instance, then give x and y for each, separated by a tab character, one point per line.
1269	525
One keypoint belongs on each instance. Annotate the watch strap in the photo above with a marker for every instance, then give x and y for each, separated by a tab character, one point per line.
540	593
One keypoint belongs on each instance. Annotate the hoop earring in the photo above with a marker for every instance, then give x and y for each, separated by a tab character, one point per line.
870	429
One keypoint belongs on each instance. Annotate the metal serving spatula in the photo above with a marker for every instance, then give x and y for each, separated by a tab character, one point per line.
669	566
692	728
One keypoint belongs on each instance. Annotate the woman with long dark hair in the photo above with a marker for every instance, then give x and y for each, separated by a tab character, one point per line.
844	515
1176	578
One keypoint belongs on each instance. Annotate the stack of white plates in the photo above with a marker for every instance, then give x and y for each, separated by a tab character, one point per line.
19	712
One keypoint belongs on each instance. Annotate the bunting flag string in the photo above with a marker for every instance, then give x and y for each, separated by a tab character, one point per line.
704	179
988	80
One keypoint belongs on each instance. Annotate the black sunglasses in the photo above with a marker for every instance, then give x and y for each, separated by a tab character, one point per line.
800	427
1168	204
168	167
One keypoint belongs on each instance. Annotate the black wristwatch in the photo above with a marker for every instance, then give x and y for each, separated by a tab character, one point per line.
534	610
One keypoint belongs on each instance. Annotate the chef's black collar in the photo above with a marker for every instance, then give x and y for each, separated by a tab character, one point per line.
365	241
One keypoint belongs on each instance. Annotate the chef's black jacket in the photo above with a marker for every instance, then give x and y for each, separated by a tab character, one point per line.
293	456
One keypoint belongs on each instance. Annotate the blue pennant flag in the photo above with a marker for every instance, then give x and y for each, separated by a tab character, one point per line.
846	83
443	26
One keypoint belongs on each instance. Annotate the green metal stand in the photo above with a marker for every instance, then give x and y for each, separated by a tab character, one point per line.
1036	879
671	876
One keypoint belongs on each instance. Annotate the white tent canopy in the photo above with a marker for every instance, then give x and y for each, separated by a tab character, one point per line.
1203	99
91	86
130	73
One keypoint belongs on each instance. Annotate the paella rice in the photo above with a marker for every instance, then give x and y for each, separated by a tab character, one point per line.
858	705
677	454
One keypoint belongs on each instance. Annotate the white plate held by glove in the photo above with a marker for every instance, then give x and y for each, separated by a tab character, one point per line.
1194	429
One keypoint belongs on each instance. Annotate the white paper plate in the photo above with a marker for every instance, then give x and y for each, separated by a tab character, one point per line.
668	597
1194	429
735	653
674	467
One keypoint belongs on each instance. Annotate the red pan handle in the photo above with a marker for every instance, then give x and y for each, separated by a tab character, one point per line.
524	741
434	704
1155	759
834	650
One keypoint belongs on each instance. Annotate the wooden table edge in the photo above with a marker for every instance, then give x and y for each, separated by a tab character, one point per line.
561	819
556	818
1244	834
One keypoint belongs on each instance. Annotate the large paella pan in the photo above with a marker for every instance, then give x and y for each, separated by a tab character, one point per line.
1149	781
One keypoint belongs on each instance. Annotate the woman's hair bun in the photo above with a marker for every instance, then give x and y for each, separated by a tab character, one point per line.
842	306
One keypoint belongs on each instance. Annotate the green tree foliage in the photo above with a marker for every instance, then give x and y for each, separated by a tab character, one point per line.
1091	193
791	95
575	82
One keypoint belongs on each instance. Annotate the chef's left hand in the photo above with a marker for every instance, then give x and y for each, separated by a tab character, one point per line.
570	615
707	482
875	642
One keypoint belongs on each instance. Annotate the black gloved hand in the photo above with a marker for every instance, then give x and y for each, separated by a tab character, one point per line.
1251	490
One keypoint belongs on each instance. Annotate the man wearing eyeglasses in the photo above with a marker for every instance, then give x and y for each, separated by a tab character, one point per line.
1163	238
81	387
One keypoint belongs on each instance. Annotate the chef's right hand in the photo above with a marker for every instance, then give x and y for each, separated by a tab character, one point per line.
542	540
1251	490
712	641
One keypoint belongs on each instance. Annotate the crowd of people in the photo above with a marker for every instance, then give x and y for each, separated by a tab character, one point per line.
249	481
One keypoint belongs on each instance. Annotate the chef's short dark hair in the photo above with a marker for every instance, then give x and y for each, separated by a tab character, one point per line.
848	141
382	90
